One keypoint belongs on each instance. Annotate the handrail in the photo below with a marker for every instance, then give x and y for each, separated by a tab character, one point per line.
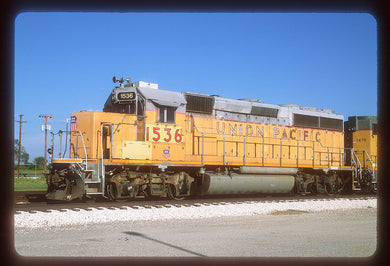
82	140
328	148
101	148
213	133
85	150
364	152
357	159
117	126
369	158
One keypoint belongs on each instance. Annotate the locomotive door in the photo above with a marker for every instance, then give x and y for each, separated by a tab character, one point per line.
140	127
106	142
140	136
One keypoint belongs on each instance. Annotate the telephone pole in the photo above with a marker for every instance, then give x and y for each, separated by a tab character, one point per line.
45	116
20	140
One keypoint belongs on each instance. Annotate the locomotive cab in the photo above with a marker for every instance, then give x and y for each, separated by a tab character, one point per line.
121	152
125	99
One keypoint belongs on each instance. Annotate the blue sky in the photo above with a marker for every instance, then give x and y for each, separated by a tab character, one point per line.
64	62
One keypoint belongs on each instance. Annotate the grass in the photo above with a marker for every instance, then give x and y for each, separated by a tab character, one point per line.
24	171
30	184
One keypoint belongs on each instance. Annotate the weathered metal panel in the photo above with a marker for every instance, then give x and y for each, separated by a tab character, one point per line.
235	106
138	150
163	96
144	84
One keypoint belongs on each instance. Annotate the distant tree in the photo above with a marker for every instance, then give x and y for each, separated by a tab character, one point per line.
39	161
24	156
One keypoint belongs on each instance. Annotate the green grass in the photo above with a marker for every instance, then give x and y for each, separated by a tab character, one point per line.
30	184
24	171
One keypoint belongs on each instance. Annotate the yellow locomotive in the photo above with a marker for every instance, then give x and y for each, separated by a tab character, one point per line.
361	135
151	142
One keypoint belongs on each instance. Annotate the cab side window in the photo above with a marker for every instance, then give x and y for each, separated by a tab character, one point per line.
374	129
166	114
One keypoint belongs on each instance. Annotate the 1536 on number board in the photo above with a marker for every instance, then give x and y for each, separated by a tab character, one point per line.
164	133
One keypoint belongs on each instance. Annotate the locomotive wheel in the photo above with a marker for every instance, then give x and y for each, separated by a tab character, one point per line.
312	189
328	189
335	187
112	192
172	192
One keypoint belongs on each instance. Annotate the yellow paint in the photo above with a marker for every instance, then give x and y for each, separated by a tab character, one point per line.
201	138
57	160
364	140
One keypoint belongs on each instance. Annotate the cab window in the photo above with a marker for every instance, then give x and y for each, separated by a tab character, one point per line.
166	114
374	129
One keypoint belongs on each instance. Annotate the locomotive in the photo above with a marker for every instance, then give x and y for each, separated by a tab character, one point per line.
149	142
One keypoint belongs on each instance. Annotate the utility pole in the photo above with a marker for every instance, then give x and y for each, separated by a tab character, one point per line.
45	116
20	140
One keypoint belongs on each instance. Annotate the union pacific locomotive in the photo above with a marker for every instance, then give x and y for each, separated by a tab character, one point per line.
149	142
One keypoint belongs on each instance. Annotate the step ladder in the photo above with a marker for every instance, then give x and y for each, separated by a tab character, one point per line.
361	173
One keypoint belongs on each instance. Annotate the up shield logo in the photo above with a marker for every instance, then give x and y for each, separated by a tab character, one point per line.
166	154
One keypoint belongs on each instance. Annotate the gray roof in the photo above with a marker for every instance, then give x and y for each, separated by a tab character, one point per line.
162	97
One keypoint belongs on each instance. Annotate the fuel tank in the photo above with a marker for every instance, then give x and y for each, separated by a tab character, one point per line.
214	184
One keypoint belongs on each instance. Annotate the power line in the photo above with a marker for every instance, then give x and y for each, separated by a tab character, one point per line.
20	140
46	117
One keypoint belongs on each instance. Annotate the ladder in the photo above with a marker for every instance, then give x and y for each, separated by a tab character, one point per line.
364	177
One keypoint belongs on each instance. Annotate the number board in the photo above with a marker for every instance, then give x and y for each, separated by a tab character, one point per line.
166	134
126	96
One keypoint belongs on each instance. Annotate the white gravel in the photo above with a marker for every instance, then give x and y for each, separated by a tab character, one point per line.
102	215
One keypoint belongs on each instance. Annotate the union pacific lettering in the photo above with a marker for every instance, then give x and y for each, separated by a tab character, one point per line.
235	129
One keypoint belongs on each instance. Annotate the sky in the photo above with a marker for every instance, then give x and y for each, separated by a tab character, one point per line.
64	62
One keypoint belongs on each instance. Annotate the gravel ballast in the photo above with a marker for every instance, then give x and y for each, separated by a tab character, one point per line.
56	218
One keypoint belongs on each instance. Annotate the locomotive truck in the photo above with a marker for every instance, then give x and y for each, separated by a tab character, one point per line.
148	142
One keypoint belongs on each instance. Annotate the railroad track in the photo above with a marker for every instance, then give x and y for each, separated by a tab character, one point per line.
34	203
63	215
23	197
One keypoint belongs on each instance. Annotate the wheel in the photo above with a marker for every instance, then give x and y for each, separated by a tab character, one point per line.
312	189
113	193
329	189
172	192
335	187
